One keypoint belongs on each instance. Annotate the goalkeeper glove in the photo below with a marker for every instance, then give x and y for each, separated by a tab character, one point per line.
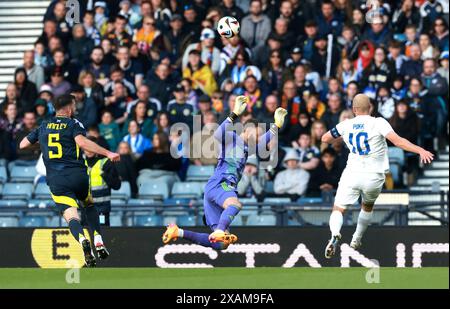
280	113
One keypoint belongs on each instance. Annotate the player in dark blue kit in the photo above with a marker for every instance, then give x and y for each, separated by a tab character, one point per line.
61	139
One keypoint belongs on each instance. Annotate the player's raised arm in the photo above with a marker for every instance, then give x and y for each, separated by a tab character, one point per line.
240	104
403	143
89	145
279	116
30	139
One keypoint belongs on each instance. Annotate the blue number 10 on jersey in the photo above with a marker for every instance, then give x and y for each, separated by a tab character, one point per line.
357	140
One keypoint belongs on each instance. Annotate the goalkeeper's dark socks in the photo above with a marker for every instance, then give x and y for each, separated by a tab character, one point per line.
201	239
76	229
93	221
227	217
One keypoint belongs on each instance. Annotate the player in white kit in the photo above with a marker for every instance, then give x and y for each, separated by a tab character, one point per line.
367	163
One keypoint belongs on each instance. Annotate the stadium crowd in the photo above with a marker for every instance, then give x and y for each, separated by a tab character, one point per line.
137	67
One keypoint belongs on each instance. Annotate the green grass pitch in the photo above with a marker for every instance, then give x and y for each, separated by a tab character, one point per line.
233	278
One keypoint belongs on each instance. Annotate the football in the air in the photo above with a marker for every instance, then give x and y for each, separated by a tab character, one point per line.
228	27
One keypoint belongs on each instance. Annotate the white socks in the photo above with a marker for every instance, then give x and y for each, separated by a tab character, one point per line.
180	233
363	222
98	238
336	221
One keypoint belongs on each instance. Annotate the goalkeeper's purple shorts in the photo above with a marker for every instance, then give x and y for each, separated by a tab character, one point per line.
214	197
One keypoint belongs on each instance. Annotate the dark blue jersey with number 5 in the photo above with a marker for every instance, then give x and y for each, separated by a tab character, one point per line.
56	137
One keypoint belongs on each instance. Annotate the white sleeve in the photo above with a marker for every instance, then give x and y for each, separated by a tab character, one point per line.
383	126
339	129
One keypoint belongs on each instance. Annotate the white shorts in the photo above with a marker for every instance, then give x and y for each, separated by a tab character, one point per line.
353	185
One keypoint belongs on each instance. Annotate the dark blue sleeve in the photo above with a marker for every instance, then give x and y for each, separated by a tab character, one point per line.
335	133
78	129
33	136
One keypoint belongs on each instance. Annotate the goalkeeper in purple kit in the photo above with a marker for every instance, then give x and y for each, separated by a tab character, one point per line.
221	204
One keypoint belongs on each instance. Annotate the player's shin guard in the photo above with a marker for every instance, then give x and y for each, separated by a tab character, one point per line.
93	221
76	229
336	221
227	217
201	239
363	222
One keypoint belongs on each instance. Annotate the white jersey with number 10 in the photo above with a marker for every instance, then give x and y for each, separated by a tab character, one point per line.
365	137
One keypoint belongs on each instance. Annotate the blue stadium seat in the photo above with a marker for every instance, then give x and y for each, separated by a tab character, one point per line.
199	173
23	173
13	203
262	220
186	220
3	174
310	200
124	193
115	220
42	192
17	191
116	203
249	211
177	201
9	222
153	220
396	172
275	201
140	202
55	221
156	190
268	187
396	155
32	221
186	190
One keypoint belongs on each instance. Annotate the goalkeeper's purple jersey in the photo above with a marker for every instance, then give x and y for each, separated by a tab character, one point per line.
233	153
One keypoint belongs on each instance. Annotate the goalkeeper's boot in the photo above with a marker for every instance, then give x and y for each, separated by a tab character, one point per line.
171	233
102	252
221	236
355	243
89	257
330	250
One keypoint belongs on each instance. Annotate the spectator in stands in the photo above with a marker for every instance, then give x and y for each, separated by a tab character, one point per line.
148	35
31	153
132	69
161	84
302	126
229	8
108	55
140	115
5	145
210	55
406	14
320	57
41	111
307	153
351	91
275	73
118	76
93	91
109	130
331	115
250	185
26	90
86	111
346	73
10	122
163	122
41	56
91	30
314	107
255	27
412	67
46	93
366	51
144	95
438	92
201	76
293	180
326	176
97	66
35	72
11	97
318	129
80	46
441	37
291	101
304	87
430	10
426	48
348	43
327	20
396	56
118	102
380	72
405	122
179	110
58	84
119	35
443	70
282	33
378	33
48	32
385	103
126	167
138	142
